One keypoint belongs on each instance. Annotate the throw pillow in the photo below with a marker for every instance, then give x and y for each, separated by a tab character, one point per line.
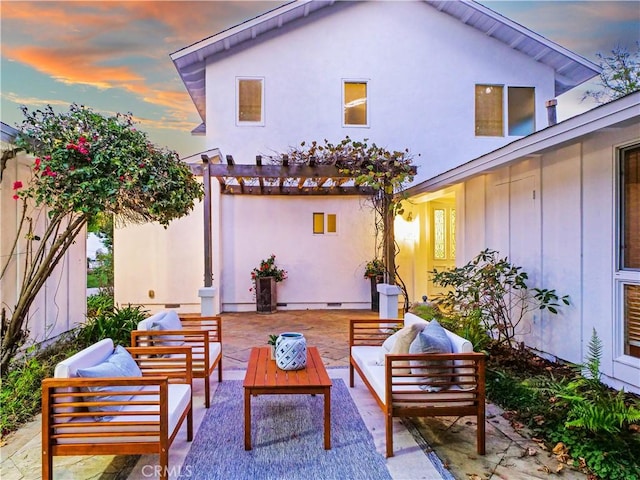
170	321
432	339
401	344
119	364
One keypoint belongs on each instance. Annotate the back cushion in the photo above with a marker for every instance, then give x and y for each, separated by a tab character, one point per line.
118	364
432	339
170	321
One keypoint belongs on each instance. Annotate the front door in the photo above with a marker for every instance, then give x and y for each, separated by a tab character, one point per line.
442	241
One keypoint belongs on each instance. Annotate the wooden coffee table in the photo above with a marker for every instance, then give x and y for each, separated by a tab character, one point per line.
265	378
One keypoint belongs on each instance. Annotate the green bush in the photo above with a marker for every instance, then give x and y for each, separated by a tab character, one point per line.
116	324
99	304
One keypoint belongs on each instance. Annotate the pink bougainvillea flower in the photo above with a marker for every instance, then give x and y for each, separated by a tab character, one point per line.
36	167
16	197
82	140
83	150
17	185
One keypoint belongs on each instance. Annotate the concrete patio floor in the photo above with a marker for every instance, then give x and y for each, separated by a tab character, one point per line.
509	455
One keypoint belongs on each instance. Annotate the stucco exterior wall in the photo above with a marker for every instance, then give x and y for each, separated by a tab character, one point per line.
61	303
570	244
421	66
324	271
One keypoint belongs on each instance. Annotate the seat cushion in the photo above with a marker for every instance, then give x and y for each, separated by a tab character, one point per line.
179	399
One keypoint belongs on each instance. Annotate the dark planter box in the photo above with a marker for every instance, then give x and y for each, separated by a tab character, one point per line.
266	295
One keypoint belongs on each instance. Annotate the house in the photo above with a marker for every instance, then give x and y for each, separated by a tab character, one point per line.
449	81
563	203
58	307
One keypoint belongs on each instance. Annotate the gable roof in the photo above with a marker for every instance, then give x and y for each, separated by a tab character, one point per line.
622	112
570	69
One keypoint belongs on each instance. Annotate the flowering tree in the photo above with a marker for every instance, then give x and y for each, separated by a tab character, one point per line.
85	164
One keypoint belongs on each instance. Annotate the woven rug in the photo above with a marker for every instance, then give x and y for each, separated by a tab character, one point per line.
287	439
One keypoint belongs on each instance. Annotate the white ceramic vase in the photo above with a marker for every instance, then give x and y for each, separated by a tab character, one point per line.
291	351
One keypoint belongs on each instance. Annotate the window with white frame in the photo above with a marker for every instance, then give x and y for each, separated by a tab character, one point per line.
354	101
490	110
250	101
629	246
325	223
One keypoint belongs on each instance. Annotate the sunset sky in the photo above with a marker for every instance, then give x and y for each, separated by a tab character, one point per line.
114	56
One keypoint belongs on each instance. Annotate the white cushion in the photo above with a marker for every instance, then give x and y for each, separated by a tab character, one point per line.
365	357
147	322
179	398
411	318
89	357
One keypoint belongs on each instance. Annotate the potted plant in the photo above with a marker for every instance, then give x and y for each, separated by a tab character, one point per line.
264	278
374	271
272	342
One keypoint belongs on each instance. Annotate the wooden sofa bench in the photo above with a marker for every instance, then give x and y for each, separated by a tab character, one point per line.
404	392
136	415
203	334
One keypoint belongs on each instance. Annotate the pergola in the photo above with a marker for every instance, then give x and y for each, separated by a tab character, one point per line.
270	179
279	179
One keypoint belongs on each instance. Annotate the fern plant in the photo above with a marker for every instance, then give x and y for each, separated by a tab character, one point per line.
593	406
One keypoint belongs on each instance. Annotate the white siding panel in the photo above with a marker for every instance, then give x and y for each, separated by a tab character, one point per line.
497	202
472	220
598	245
562	233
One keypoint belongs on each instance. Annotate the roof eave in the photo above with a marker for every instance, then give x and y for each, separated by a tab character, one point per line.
617	112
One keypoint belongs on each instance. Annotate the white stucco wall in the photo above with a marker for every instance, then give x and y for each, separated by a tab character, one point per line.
61	303
421	67
571	249
157	267
324	271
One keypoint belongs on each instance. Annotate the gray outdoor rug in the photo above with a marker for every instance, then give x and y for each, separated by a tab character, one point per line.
287	439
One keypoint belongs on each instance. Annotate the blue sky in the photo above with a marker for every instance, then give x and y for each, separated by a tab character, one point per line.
114	56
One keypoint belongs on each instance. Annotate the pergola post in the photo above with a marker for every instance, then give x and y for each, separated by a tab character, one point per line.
208	292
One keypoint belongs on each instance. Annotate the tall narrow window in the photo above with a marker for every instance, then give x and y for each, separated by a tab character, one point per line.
332	226
521	111
489	111
630	192
355	103
629	249
439	234
250	101
318	223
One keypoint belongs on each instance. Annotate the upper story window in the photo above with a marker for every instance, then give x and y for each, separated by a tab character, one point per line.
250	101
489	108
354	100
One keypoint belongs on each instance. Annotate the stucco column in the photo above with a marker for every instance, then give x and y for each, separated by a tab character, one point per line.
207	301
388	300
